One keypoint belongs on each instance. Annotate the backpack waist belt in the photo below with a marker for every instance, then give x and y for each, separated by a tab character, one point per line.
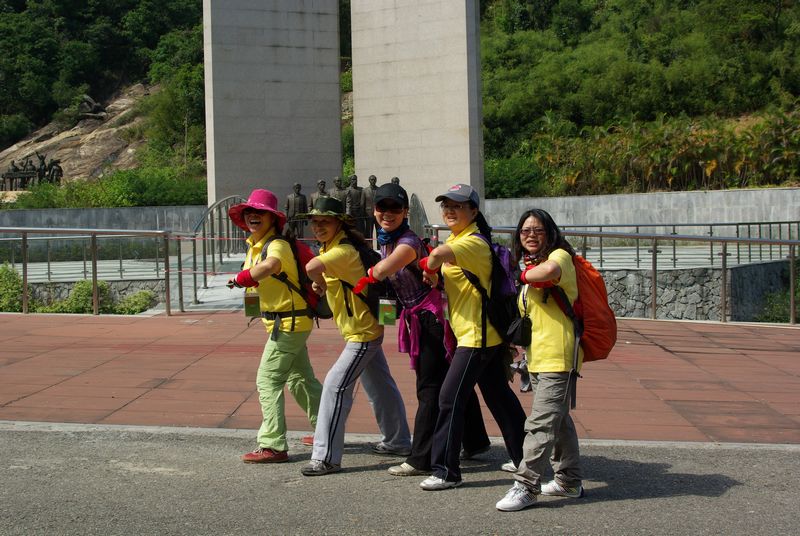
275	315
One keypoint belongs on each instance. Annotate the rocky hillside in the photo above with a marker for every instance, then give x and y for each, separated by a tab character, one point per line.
97	144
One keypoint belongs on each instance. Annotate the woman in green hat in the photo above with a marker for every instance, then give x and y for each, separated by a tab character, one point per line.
334	272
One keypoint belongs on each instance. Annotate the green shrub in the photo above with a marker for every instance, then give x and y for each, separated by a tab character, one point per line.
346	81
136	303
10	289
12	128
79	300
776	308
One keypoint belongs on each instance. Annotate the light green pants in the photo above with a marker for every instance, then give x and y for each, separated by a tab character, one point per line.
285	363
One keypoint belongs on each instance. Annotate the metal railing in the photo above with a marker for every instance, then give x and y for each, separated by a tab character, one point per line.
653	241
92	235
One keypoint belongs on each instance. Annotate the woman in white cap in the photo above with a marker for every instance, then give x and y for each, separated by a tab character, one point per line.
476	360
284	361
422	332
335	272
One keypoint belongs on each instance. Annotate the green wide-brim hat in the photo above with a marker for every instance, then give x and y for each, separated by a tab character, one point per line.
328	206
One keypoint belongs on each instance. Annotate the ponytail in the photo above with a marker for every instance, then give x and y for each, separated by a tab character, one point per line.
355	238
483	226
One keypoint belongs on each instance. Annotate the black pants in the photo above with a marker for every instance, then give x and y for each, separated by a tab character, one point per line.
431	371
486	368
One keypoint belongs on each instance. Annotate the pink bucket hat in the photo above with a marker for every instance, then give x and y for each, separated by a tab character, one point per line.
258	200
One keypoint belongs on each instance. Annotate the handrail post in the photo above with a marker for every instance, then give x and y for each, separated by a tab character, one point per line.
194	270
792	286
220	226
674	249
25	273
120	260
600	229
723	291
47	247
212	233
654	276
638	258
95	294
180	274
205	255
711	245
166	276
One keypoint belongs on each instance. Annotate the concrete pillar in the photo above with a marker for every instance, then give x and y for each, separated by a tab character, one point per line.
417	94
273	109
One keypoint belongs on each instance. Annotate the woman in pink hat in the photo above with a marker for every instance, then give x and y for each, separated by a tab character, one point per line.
285	316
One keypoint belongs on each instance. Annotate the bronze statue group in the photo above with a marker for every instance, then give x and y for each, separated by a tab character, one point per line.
28	174
441	323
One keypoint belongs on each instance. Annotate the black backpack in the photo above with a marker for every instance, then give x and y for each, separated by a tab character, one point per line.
501	306
375	291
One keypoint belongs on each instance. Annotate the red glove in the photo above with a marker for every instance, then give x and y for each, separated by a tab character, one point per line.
535	284
525	273
364	281
244	279
423	263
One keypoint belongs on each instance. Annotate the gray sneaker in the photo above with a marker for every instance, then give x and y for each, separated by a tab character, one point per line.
554	489
509	467
319	468
385	450
518	497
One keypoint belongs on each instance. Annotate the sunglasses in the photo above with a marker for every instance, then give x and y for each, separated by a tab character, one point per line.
391	209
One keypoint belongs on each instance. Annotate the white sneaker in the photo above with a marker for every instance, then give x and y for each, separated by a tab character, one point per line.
518	497
434	483
406	469
509	467
554	489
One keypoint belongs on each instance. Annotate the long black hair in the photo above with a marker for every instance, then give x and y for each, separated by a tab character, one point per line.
553	237
483	225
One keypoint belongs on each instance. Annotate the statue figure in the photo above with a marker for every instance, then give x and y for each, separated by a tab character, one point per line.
338	191
55	172
41	171
369	206
395	180
296	203
13	168
319	193
28	165
355	204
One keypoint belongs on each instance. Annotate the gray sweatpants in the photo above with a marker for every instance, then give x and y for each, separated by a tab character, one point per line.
365	360
550	428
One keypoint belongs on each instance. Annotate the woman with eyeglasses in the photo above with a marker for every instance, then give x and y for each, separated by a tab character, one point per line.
423	331
475	361
335	272
549	429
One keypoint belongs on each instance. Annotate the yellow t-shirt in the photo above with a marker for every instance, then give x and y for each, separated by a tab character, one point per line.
553	336
274	295
342	262
464	301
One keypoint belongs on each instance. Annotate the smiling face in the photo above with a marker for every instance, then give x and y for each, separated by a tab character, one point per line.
533	236
457	216
325	227
258	222
390	215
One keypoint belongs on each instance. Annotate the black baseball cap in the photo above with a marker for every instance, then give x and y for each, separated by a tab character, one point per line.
391	192
461	193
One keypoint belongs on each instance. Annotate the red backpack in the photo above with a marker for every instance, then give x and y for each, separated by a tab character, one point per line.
594	320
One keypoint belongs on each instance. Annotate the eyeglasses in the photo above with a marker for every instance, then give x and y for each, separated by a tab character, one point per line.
452	206
529	231
391	210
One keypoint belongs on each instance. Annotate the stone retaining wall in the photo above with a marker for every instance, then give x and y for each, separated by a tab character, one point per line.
52	291
694	294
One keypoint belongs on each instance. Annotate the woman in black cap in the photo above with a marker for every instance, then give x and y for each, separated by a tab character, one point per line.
423	331
477	359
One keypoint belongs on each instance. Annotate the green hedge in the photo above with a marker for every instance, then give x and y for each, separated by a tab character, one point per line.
79	300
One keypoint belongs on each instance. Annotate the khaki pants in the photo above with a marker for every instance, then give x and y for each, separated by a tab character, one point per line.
549	428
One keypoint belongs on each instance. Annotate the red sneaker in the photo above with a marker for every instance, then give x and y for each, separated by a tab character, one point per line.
308	440
265	456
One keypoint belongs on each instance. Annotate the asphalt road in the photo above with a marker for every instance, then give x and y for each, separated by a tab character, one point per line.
87	480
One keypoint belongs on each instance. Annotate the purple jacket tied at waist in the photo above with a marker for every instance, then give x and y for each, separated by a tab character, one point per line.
409	330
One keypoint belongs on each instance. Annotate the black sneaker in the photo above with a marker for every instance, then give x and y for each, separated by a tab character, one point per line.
471	455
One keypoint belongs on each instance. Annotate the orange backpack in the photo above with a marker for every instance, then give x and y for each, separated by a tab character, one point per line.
593	319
